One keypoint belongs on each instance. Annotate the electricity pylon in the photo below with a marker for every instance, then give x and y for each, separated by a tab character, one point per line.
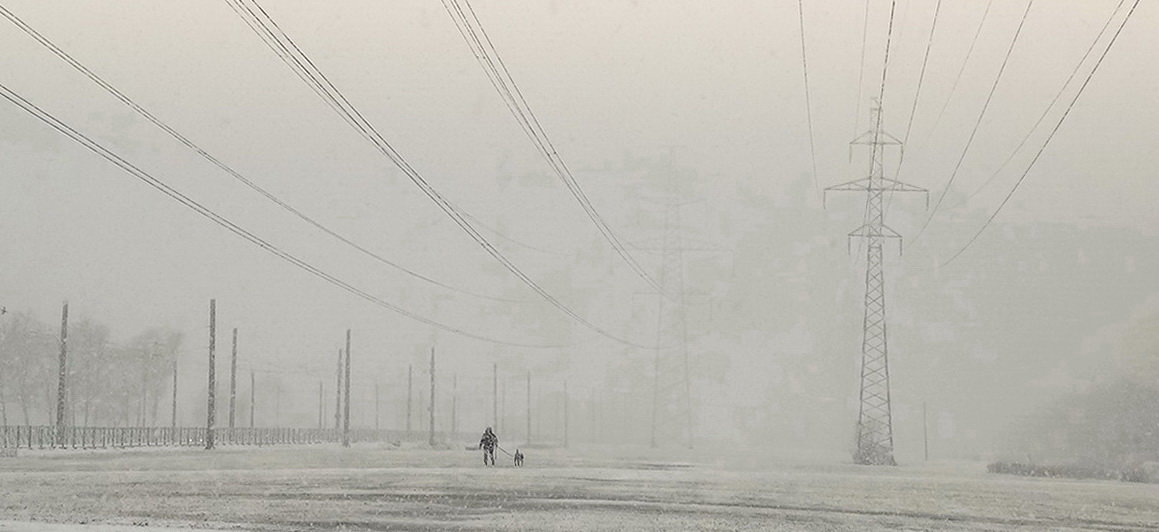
672	405
671	398
874	421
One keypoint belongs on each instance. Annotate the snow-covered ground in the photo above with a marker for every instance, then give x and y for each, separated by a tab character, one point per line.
379	488
40	526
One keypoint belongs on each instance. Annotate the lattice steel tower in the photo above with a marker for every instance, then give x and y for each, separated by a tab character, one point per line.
671	382
874	422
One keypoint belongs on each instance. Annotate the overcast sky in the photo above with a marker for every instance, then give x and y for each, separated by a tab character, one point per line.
646	101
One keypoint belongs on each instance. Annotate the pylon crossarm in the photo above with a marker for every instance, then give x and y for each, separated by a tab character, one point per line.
867	139
882	231
866	184
893	185
894	234
861	139
857	185
871	230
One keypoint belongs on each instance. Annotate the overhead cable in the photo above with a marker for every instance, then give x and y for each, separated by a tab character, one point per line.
917	97
921	77
503	236
808	105
485	53
233	227
962	69
288	51
978	122
1057	95
1049	137
885	67
129	102
861	70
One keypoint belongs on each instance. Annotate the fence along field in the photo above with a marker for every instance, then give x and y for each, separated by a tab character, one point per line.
51	437
27	346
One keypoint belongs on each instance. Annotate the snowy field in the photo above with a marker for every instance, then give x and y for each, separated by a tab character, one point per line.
379	488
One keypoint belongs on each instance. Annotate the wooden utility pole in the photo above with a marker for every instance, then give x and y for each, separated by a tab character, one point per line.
253	397
495	395
925	434
656	385
409	393
565	414
528	407
143	420
233	379
454	403
277	401
338	395
173	417
211	406
346	403
595	413
62	375
431	427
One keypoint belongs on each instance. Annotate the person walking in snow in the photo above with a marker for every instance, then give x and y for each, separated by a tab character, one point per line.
488	443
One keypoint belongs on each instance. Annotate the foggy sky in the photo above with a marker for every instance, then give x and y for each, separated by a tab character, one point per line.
637	96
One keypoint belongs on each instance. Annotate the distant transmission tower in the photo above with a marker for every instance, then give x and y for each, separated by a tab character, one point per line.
672	407
875	422
671	397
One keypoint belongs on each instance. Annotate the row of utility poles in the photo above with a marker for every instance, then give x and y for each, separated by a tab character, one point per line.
429	407
211	397
62	377
342	414
342	390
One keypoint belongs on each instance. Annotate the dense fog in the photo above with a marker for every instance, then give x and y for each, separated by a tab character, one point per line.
686	125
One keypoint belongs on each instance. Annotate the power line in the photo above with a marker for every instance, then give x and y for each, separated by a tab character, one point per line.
921	77
562	169
1042	148
288	51
314	75
473	32
917	96
1053	101
884	68
962	69
808	105
861	69
977	123
876	112
218	219
504	236
108	87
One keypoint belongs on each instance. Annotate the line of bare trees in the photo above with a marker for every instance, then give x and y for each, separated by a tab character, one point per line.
109	384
